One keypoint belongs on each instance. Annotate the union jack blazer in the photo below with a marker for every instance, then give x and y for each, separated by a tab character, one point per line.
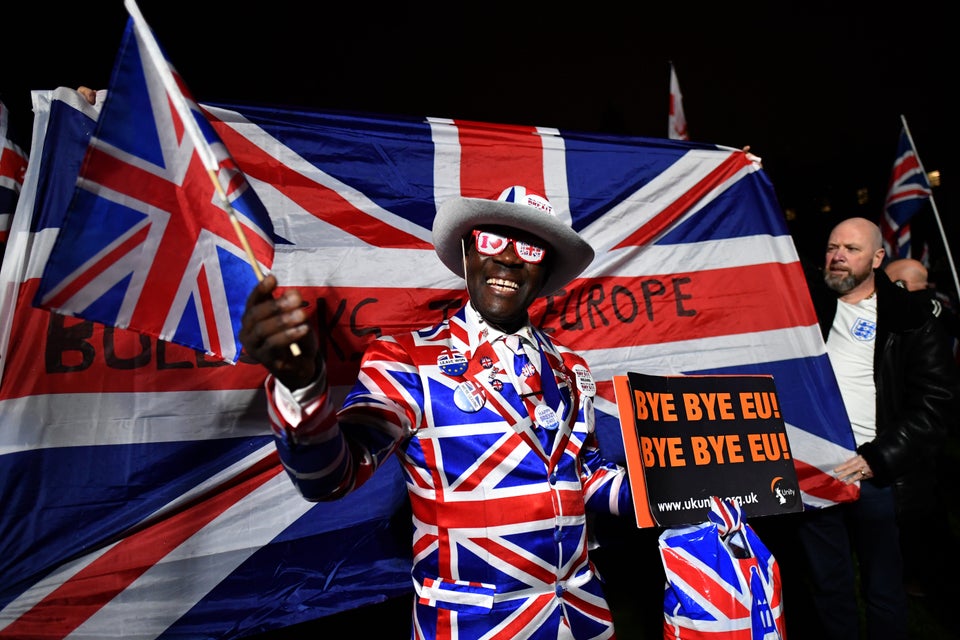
498	493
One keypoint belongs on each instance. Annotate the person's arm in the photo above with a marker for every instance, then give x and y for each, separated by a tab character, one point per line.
928	401
605	483
326	453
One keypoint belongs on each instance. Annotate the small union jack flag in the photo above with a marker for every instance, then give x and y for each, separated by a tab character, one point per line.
908	192
148	242
677	129
13	166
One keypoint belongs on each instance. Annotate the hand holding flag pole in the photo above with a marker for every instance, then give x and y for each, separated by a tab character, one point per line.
206	154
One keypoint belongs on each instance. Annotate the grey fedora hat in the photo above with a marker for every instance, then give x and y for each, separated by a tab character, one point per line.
518	209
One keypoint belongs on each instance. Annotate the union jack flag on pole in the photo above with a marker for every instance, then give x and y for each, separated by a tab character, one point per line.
908	192
163	236
677	126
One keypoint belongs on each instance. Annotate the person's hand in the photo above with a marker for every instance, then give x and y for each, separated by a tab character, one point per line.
90	95
751	157
271	325
856	468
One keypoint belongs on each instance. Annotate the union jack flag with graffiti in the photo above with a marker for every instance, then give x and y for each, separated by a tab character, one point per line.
138	474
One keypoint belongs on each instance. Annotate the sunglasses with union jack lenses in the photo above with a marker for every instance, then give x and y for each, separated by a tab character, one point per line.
492	244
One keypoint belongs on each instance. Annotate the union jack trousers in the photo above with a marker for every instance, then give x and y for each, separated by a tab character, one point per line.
500	540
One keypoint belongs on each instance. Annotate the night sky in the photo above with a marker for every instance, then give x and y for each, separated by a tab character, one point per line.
816	91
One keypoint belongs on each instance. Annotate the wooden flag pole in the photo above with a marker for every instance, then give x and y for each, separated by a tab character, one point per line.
294	347
236	224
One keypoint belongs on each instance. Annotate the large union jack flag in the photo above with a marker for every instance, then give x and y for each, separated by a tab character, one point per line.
908	192
148	242
140	492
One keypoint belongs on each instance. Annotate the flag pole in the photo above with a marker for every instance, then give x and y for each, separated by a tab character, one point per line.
936	213
203	149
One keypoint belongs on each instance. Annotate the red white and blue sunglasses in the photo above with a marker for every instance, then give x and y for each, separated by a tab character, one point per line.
492	244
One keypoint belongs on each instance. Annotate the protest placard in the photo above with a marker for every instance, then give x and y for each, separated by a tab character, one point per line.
688	438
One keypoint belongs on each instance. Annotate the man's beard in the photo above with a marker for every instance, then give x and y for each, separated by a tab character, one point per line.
843	284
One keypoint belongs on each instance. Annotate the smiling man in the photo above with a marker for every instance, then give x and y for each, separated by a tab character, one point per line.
492	422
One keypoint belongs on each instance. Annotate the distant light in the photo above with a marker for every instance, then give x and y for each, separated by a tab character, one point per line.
790	214
863	196
933	177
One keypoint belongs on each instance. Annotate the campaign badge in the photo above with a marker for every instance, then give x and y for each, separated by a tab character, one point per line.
585	382
546	417
452	363
528	370
469	396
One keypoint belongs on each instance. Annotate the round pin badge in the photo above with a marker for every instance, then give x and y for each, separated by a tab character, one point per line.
452	363
585	382
469	396
546	417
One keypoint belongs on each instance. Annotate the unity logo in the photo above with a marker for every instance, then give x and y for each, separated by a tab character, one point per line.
784	491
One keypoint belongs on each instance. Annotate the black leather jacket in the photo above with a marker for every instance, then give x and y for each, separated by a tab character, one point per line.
917	388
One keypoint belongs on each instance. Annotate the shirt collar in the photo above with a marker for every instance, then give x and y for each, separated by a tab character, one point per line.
480	331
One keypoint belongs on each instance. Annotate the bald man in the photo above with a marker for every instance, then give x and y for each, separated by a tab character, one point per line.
898	382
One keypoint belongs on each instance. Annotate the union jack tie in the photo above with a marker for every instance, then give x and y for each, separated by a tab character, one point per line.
530	387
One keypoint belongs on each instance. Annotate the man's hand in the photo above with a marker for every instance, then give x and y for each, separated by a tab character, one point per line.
856	468
271	325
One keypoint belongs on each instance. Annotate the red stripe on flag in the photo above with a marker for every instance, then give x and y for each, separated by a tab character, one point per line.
611	312
319	200
494	157
92	588
70	355
823	485
13	163
599	313
209	314
107	261
647	232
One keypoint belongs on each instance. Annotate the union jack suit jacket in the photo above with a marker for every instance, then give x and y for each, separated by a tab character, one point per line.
498	502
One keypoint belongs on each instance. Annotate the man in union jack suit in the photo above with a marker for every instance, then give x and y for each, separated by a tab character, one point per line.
492	422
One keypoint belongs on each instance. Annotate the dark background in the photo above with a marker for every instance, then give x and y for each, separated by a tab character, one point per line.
817	91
